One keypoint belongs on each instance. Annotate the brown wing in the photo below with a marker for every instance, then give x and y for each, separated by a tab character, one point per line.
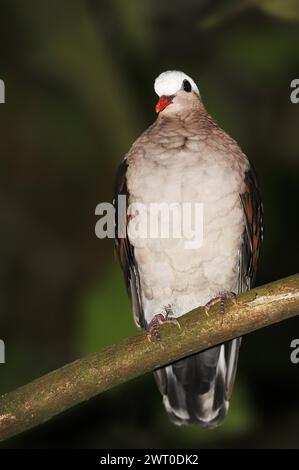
123	248
253	233
248	258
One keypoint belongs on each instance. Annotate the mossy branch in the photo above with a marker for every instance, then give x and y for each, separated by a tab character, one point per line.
40	400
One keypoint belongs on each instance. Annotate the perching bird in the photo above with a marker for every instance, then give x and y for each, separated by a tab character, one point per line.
184	157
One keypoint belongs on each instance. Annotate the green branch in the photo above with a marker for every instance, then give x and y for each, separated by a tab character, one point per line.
40	400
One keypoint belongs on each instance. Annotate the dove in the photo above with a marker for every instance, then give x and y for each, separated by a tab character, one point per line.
184	157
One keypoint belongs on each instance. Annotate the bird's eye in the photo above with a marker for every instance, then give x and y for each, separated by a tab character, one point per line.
187	86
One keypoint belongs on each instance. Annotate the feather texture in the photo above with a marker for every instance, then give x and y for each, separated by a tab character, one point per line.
185	156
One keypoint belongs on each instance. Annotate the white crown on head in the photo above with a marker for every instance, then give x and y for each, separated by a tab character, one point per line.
170	82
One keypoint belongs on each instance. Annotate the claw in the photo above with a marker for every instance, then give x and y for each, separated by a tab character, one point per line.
158	320
221	298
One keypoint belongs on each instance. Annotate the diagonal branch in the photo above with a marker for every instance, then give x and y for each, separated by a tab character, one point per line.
40	400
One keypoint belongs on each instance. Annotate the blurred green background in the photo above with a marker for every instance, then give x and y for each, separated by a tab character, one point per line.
79	89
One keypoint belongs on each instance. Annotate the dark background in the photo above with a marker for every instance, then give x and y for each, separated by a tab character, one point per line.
79	90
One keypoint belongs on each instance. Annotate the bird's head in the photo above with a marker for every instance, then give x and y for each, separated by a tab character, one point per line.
176	91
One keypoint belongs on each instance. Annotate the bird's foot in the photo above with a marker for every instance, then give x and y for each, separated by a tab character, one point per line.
220	298
153	327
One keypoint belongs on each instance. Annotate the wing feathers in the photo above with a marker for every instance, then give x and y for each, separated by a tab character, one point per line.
124	250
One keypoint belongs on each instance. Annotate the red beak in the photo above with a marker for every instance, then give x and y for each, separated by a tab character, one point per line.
162	103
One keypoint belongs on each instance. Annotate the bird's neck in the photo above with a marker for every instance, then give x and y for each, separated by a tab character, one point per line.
192	116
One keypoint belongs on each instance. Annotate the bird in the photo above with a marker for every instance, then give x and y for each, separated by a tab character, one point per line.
185	157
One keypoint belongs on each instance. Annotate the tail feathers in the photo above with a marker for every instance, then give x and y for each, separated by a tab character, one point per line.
196	390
